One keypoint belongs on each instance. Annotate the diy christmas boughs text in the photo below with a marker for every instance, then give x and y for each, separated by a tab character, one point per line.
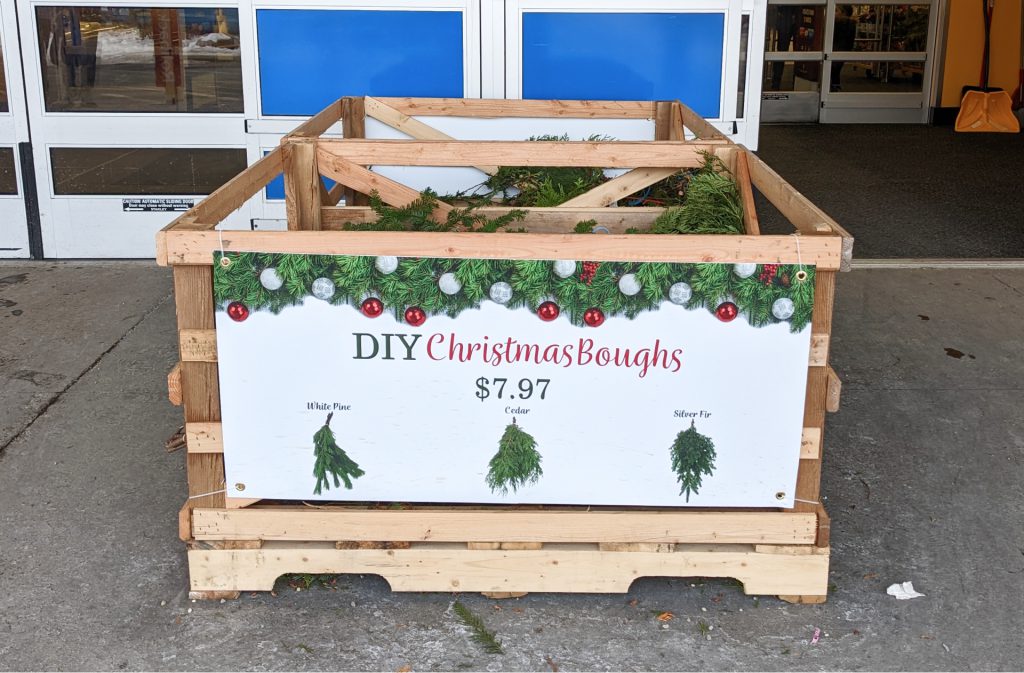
584	292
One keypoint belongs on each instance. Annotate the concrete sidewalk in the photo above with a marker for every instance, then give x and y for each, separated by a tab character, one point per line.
923	477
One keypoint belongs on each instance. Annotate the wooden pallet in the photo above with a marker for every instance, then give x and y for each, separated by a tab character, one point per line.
238	544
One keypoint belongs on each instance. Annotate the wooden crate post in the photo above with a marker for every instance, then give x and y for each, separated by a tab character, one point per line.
303	188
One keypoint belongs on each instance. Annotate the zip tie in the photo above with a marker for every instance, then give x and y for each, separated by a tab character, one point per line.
801	275
203	495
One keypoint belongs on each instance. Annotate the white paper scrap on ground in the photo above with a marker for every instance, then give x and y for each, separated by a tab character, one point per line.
903	592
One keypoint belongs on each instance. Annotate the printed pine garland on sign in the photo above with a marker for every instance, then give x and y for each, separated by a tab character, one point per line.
517	462
586	293
693	457
332	460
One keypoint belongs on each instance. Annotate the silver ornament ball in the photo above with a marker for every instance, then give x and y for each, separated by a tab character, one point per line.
745	270
323	288
783	308
565	268
501	292
680	293
629	285
448	283
271	279
386	264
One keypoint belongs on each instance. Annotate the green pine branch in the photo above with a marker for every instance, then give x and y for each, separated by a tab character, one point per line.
693	457
517	462
478	631
331	459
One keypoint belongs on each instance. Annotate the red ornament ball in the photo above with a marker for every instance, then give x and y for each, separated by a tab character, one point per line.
727	311
548	311
594	317
372	307
238	311
415	316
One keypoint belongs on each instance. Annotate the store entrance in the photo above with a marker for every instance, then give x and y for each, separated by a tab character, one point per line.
847	63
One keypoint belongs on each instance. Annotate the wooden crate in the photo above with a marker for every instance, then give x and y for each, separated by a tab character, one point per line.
237	544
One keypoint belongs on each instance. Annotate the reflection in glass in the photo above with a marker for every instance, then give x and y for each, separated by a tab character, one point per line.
877	77
4	106
8	173
792	76
143	170
880	28
794	28
137	59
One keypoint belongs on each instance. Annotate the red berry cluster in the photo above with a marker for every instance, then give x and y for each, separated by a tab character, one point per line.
768	272
589	270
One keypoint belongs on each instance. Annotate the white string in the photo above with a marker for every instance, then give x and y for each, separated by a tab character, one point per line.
808	502
799	256
220	233
203	495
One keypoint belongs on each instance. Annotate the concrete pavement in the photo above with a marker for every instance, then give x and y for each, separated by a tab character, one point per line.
923	477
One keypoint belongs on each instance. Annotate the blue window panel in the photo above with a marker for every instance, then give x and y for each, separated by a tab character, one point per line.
625	56
310	58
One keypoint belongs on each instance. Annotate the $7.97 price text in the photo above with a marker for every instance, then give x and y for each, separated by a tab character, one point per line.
523	390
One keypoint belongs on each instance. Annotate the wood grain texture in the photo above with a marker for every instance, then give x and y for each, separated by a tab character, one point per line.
834	393
302	185
553	220
197	345
354	126
500	107
751	225
676	129
319	123
194	247
566	569
619	187
410	126
490	525
235	192
663	120
621	154
174	385
365	181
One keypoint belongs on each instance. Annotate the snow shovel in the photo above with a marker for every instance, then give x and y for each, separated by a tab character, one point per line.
985	109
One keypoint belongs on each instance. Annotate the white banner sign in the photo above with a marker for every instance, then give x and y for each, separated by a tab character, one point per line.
476	381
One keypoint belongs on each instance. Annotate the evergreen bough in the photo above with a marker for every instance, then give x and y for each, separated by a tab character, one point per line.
517	462
332	459
693	456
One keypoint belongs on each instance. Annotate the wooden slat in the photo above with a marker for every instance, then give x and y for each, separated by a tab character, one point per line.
318	124
364	180
410	126
677	131
204	437
302	185
819	350
663	120
699	126
609	192
495	525
539	220
193	295
197	345
239	189
499	107
834	392
354	126
239	503
566	569
810	443
197	247
174	385
668	154
750	221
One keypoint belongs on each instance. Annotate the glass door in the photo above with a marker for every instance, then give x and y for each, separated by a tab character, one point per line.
878	62
14	231
137	111
794	39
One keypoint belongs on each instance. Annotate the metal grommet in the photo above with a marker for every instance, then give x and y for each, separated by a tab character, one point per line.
801	275
225	261
239	486
781	495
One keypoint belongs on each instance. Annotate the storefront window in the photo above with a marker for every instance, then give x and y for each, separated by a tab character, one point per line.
795	28
877	77
143	170
4	106
138	59
8	173
792	76
880	28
